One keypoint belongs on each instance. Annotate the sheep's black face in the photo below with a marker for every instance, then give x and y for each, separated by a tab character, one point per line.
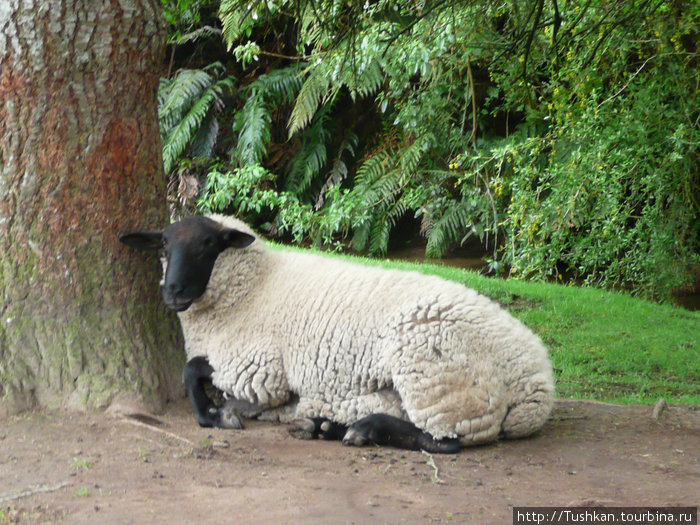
190	247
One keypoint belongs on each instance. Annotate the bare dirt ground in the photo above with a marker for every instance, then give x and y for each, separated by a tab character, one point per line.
94	468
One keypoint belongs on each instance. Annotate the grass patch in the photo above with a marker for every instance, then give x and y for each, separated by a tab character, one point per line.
81	464
604	345
82	492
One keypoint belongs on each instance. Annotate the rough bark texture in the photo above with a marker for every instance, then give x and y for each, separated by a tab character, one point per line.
81	323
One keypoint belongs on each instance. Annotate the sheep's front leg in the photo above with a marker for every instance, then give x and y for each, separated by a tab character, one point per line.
197	372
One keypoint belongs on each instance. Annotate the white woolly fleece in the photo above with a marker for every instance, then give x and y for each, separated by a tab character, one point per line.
349	340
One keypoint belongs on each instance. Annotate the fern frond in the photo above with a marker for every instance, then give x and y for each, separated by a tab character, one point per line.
379	236
361	235
411	156
339	170
177	95
180	134
310	159
235	16
281	85
305	166
205	139
396	211
385	217
253	123
449	229
315	91
197	34
372	168
366	81
187	101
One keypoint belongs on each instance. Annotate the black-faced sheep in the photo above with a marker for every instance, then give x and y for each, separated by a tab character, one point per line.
346	351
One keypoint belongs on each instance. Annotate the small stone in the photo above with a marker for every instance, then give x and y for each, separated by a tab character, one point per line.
658	409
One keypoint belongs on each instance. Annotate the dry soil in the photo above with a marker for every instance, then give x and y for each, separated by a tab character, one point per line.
58	467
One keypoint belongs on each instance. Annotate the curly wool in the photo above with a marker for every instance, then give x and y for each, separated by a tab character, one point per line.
332	338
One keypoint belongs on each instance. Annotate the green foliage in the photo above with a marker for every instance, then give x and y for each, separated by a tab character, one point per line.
82	492
187	20
248	192
187	107
253	121
306	165
253	125
563	135
605	192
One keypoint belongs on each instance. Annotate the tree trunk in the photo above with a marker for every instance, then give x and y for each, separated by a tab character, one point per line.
81	322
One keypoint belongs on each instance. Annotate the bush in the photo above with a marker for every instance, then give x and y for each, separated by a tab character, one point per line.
564	136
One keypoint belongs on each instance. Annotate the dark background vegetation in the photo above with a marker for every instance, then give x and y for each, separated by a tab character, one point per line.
562	135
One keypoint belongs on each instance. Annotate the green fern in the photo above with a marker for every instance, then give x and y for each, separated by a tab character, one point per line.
187	108
201	33
373	168
281	85
238	17
449	229
254	120
385	187
308	162
361	233
205	139
325	80
339	170
365	81
379	236
315	91
253	123
176	95
409	158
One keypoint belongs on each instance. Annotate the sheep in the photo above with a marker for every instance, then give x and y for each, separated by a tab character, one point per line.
345	351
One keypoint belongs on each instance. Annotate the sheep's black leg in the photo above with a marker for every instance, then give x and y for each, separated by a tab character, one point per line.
197	372
382	429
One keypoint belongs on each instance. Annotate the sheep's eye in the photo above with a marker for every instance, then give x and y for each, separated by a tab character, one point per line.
208	243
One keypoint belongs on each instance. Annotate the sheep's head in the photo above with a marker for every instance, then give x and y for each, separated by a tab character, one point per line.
190	248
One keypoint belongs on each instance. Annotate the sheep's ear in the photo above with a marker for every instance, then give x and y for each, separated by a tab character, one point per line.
143	240
231	238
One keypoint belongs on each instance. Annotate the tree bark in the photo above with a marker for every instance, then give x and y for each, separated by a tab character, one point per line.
81	321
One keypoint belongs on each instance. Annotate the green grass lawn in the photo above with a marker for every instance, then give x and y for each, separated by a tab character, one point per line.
604	345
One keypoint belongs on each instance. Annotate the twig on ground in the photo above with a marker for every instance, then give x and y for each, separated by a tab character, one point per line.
560	417
156	429
431	463
35	490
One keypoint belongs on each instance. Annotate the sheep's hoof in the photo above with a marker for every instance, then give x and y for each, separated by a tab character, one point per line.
229	418
316	428
304	428
353	438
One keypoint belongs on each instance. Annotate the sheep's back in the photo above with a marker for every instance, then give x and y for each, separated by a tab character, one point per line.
344	318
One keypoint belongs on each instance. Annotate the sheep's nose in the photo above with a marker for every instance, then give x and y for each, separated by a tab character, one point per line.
174	289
